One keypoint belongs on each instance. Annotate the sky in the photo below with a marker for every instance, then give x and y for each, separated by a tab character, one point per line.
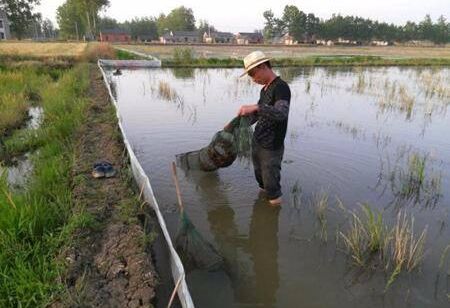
240	15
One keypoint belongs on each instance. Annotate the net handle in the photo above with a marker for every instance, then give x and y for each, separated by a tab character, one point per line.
177	186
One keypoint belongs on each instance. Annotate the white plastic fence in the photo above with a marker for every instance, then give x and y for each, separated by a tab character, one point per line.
143	181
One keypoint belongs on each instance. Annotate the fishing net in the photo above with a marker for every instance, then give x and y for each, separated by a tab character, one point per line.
234	141
243	135
195	252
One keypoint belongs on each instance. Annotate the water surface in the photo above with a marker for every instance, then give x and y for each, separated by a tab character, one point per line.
353	133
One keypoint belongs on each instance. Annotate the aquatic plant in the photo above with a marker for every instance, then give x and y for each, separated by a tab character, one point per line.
406	249
444	256
434	85
320	205
414	183
367	236
166	92
406	101
395	249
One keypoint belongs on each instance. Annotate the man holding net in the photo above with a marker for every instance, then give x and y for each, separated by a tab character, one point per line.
271	114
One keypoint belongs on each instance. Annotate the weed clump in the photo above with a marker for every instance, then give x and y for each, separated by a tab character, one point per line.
371	243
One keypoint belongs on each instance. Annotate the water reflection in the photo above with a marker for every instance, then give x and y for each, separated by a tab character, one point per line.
183	73
252	261
263	248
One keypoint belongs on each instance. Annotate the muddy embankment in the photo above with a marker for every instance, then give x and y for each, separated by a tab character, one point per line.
112	261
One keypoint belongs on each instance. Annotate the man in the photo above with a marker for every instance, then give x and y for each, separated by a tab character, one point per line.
271	114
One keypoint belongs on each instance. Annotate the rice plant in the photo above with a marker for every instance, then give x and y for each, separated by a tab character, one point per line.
406	249
369	240
320	205
366	237
416	182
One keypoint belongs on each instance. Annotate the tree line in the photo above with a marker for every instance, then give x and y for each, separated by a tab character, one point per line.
306	27
79	19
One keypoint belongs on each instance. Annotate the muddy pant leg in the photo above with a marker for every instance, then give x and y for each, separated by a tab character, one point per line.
267	165
270	170
257	164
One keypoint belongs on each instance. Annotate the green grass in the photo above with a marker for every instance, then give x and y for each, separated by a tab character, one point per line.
186	59
124	55
36	222
19	89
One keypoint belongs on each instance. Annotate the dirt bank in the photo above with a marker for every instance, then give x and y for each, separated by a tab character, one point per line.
109	263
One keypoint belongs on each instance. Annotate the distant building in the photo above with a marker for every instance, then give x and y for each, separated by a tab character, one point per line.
286	39
380	43
181	37
114	35
346	42
245	38
218	37
5	34
325	42
145	38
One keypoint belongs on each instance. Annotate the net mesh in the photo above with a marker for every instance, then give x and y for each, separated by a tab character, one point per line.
234	141
195	252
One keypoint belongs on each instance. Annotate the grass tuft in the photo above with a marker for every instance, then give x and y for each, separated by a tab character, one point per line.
36	222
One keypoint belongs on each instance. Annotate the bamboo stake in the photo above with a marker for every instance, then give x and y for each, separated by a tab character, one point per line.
175	290
177	186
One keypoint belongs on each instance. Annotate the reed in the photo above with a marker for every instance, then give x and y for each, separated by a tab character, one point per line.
166	92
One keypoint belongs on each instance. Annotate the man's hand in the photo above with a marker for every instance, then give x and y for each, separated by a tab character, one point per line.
247	109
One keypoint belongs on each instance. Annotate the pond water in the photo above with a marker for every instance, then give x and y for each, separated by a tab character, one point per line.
18	169
356	135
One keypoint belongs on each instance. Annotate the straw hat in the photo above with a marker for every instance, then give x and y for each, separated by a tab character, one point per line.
253	60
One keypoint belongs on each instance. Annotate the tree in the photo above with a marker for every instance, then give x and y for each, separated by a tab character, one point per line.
104	23
270	25
70	23
139	27
179	19
312	25
441	31
20	14
409	31
426	28
81	16
205	26
294	22
88	13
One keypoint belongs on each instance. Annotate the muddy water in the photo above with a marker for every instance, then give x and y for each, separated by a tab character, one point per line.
18	169
352	135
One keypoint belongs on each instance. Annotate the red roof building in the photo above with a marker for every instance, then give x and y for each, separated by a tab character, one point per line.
114	35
